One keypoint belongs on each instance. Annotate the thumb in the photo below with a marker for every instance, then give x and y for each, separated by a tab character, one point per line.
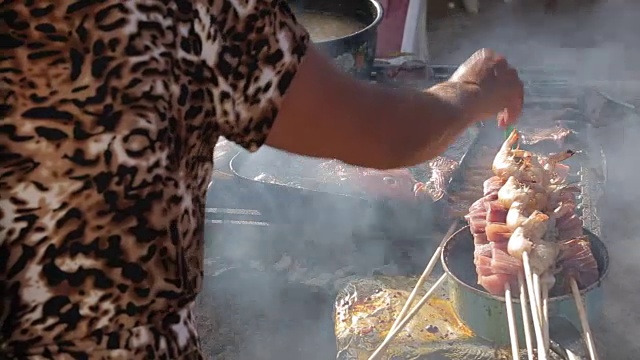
503	118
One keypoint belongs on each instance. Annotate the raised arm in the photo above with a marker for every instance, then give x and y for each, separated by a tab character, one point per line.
273	86
329	114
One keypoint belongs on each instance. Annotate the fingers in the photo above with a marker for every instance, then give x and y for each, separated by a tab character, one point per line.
514	106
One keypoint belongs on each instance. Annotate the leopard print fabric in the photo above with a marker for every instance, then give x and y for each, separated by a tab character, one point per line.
109	113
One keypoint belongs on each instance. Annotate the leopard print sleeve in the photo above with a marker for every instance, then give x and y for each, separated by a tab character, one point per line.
255	48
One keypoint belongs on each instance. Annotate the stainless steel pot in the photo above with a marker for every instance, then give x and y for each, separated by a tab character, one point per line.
486	314
354	53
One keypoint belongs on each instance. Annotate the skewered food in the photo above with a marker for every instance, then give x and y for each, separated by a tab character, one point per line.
441	169
557	134
333	176
528	208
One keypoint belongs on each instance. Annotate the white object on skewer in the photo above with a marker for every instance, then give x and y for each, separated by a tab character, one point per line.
513	330
584	321
535	315
525	316
405	321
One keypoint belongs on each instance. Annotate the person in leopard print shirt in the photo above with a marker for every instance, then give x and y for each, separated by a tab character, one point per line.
109	112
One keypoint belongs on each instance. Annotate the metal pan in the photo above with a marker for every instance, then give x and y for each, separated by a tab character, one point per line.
400	210
485	313
290	204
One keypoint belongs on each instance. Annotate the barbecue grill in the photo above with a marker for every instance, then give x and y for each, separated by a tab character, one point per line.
242	203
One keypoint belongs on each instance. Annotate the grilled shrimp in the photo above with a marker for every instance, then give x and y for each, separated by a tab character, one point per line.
529	238
531	230
555	172
506	162
516	162
511	191
521	200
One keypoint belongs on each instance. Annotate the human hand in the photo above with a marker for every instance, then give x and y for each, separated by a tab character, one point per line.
499	89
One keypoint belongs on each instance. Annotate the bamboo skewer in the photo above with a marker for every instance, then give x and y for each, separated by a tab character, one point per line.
545	315
425	275
513	330
537	287
392	334
582	313
533	300
397	324
525	316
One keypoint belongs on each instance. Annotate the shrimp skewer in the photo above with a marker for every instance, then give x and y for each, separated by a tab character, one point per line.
517	162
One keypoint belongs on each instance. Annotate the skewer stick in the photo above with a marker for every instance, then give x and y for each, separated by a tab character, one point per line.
425	275
582	313
513	330
524	308
535	315
545	315
392	334
536	289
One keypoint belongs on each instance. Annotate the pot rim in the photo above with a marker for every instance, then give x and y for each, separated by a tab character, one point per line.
484	293
374	23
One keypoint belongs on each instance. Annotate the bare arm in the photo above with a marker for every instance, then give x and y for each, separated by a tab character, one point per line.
328	114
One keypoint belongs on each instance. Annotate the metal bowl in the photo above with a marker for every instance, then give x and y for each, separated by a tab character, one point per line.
354	53
486	314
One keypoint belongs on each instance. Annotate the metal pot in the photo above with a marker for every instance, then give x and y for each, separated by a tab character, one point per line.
353	53
486	314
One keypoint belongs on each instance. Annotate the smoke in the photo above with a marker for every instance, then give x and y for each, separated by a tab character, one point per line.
265	314
593	44
271	284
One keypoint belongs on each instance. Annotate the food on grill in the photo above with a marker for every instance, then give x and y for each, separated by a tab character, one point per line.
577	261
441	169
557	134
527	207
466	194
336	177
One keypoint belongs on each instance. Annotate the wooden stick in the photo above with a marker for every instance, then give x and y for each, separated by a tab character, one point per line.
584	321
524	308
545	314
392	334
513	330
425	275
535	315
536	289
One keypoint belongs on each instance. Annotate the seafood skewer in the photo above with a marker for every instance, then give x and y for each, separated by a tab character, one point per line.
526	223
584	322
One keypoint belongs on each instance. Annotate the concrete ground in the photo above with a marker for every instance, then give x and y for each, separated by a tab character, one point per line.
597	43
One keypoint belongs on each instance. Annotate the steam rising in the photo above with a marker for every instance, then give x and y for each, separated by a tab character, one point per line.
596	44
